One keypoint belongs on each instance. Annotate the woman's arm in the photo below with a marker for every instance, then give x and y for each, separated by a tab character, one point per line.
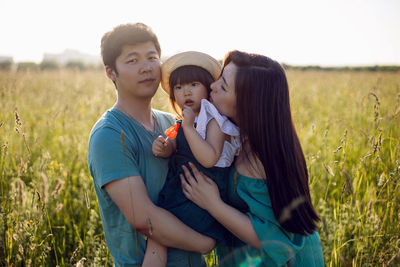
156	254
204	192
207	152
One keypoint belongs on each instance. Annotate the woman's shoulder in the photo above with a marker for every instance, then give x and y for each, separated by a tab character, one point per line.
251	188
248	165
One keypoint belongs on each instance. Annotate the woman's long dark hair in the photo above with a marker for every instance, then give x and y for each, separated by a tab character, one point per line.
261	84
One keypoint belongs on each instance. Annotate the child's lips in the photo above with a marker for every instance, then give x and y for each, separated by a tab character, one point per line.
189	103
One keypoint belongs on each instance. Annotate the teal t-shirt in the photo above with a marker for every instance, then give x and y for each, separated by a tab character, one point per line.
120	147
279	247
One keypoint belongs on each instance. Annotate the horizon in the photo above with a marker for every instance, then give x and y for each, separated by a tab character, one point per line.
219	59
307	33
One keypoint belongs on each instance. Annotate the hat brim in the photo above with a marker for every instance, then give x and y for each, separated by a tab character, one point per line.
188	58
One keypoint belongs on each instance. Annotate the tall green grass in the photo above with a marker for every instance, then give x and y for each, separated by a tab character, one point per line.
348	123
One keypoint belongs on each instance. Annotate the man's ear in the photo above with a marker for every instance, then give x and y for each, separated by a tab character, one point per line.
111	73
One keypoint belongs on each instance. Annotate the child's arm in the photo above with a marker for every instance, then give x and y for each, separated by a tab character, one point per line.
163	147
156	254
207	152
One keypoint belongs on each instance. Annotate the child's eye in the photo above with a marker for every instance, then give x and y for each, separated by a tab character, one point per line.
177	87
153	58
133	60
195	84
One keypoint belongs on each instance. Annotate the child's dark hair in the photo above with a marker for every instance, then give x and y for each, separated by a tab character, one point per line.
187	74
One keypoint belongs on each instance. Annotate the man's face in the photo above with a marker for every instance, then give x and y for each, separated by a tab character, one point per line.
138	69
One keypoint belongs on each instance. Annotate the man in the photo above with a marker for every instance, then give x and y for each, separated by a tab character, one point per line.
127	176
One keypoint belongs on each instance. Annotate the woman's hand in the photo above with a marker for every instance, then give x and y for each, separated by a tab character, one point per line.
200	189
204	192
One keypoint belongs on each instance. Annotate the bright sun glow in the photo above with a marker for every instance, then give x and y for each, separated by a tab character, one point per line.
294	32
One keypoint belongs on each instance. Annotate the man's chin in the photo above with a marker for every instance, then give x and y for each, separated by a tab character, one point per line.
149	95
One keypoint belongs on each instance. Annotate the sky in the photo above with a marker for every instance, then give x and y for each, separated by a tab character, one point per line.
296	32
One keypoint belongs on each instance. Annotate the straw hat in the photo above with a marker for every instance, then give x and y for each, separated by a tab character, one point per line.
188	58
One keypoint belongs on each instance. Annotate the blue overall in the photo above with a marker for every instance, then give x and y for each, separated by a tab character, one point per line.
172	198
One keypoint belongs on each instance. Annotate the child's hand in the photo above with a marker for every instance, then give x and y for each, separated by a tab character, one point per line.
160	146
188	117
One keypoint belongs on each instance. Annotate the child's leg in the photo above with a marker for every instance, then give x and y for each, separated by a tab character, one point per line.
156	254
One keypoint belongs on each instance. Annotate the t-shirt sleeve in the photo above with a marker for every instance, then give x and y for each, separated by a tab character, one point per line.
165	119
111	156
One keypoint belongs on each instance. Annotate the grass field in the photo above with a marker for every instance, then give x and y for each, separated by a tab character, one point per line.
348	123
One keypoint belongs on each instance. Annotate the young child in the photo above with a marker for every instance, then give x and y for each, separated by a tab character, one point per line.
205	137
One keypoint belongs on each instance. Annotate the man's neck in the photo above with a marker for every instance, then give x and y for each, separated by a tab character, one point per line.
137	109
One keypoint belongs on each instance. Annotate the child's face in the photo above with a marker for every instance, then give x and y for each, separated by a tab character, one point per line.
190	95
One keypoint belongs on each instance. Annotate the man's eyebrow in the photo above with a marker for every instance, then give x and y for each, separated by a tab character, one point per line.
153	54
131	54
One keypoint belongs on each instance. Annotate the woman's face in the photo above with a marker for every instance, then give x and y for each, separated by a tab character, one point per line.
223	94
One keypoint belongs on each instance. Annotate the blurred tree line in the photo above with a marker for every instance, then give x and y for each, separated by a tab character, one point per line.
48	65
78	65
375	68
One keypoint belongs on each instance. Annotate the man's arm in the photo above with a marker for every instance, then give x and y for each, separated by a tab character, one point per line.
156	254
130	195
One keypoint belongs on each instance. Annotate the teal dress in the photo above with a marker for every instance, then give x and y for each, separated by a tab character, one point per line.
279	247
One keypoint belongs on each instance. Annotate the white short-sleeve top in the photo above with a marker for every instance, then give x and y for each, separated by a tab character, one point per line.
230	149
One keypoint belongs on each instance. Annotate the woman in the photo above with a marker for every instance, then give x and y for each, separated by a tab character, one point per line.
269	205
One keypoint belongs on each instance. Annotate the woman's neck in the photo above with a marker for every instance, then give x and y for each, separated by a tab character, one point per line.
248	164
